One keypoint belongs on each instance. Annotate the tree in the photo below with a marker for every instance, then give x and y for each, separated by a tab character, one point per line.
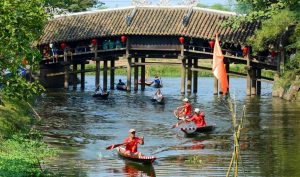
218	6
73	5
20	25
140	2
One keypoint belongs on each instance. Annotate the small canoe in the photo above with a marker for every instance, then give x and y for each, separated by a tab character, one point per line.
147	83
121	87
101	95
157	85
162	101
194	130
142	159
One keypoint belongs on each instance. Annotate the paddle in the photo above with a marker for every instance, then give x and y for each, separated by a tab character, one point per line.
114	146
178	123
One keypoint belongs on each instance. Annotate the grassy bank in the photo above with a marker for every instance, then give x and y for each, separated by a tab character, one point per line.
174	71
21	147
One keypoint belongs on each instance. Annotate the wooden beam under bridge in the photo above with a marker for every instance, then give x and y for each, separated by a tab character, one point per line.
82	71
233	73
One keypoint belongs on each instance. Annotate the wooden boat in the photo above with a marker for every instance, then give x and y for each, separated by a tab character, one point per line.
143	159
155	85
162	101
101	95
121	87
147	83
195	131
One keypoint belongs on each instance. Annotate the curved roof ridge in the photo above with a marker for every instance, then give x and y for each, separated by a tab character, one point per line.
146	7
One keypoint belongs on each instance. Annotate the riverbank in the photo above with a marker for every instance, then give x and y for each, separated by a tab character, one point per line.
21	147
175	70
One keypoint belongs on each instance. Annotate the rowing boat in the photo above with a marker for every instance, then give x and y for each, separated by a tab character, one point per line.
142	159
158	101
194	130
101	95
121	87
147	83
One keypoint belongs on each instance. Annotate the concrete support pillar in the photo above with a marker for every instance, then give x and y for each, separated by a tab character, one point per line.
248	89
253	82
216	86
136	74
97	78
189	76
129	74
112	74
182	90
143	74
66	80
258	82
82	76
195	76
75	75
105	75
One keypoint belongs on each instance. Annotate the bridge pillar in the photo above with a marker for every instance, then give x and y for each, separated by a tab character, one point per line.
143	73
75	75
195	76
82	76
253	82
105	75
183	62
189	76
258	82
112	74
248	89
136	74
128	74
216	86
227	67
97	79
66	82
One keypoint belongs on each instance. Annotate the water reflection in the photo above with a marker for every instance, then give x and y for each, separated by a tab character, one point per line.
132	169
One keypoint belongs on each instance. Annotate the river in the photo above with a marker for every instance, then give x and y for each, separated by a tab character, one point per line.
82	126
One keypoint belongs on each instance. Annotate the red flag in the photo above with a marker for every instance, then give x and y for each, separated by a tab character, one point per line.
218	66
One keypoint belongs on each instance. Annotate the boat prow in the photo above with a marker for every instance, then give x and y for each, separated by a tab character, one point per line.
194	130
101	95
142	159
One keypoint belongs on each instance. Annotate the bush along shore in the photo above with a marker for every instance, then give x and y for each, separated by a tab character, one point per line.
22	150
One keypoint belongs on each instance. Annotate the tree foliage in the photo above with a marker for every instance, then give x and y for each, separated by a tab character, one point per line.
21	23
74	5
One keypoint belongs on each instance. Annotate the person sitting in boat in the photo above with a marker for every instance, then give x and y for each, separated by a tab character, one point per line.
132	143
158	95
120	82
97	90
186	109
157	81
198	118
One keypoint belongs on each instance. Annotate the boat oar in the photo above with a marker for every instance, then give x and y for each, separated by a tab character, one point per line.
114	146
178	123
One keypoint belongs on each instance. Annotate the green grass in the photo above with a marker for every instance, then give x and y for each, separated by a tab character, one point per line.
21	148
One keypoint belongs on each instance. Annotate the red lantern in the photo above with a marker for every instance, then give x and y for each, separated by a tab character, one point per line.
273	53
94	42
25	61
63	45
123	38
211	44
181	40
245	50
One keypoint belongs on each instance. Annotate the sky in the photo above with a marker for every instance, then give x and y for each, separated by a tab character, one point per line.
125	3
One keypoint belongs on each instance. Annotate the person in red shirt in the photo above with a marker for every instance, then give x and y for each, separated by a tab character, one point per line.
198	118
186	108
132	142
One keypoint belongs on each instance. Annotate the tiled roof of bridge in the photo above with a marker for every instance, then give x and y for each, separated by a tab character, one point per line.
203	23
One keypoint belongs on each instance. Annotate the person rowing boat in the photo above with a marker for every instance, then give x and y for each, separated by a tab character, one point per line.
132	142
197	118
184	111
158	95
